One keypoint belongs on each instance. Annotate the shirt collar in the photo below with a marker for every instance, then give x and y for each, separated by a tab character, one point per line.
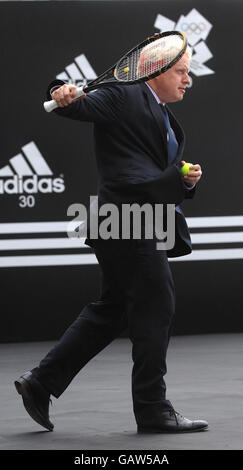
154	94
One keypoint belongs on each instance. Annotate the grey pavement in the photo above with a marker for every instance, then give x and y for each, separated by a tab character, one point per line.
204	380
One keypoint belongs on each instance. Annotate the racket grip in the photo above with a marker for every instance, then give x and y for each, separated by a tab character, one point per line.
52	104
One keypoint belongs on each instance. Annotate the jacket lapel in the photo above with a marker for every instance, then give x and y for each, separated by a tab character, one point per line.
179	133
158	117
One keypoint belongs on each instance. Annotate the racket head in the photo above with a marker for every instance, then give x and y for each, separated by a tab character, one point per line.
154	56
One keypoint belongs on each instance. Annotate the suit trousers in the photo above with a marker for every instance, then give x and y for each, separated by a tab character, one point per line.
138	293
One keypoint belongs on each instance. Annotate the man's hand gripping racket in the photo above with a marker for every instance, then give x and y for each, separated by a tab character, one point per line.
64	96
150	58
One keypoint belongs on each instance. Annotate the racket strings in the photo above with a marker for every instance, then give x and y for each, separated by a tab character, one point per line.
150	58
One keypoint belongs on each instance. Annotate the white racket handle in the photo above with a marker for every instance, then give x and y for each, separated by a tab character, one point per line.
52	104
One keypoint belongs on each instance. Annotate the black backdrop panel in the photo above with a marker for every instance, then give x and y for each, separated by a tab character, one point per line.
42	40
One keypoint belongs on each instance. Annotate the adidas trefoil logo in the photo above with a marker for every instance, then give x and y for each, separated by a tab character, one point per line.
29	173
79	72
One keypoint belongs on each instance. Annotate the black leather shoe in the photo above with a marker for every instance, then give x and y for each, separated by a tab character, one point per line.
171	421
35	398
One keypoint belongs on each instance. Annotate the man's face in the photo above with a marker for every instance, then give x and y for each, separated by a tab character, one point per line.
171	85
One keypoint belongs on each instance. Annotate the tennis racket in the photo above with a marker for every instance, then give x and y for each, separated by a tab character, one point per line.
148	59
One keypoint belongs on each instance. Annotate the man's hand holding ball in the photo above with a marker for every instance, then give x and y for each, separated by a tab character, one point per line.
191	173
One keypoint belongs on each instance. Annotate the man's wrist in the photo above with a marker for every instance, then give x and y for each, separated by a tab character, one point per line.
54	88
188	185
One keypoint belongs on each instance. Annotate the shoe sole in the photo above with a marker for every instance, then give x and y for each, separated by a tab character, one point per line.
23	389
169	431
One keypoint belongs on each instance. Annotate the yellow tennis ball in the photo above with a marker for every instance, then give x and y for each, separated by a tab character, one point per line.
186	168
126	69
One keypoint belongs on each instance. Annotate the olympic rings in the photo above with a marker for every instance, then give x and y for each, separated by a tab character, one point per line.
193	28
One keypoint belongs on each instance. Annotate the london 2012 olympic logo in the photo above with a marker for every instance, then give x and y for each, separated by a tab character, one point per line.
193	28
196	29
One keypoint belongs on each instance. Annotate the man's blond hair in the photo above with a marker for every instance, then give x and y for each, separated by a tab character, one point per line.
159	53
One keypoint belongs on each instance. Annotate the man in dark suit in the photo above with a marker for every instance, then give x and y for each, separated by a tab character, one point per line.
139	146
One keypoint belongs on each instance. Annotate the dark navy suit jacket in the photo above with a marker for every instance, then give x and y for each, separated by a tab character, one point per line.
130	139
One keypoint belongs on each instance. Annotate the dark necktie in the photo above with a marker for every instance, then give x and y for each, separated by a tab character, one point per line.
171	139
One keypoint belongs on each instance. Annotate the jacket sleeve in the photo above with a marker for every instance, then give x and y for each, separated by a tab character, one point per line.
168	188
189	193
100	106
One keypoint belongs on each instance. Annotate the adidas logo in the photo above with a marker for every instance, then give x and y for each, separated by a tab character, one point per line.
28	172
79	72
